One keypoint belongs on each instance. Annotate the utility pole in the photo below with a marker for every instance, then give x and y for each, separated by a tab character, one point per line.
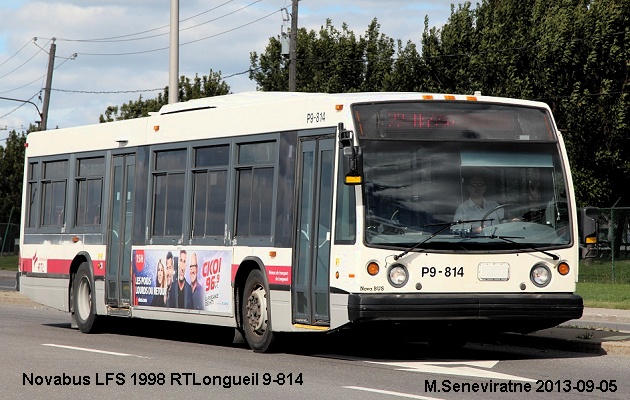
293	46
51	67
173	85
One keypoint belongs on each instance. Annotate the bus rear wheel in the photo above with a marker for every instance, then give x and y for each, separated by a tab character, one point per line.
256	313
83	300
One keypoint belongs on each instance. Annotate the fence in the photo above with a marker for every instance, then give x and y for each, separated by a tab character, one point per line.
9	238
607	260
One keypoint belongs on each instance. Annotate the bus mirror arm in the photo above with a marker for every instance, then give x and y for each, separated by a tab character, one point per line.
346	137
353	154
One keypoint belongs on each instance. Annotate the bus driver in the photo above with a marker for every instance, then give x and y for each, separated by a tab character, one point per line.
476	207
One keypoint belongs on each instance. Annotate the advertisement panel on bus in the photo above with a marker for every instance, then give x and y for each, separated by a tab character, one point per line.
191	278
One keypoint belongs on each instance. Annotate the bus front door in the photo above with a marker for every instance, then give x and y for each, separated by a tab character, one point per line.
310	286
118	276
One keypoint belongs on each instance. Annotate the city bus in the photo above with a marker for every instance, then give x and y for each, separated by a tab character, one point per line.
301	212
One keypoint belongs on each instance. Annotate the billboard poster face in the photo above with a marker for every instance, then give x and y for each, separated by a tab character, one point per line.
183	278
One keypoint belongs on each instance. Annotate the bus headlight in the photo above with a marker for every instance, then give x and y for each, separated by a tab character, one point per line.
540	275
397	275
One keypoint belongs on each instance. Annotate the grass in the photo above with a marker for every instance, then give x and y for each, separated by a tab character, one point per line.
605	295
9	263
601	270
602	284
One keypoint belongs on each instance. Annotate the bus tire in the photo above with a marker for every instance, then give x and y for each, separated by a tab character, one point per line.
256	313
83	300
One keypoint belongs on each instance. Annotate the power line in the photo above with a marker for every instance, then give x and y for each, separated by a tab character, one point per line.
239	73
113	38
128	38
20	106
234	29
106	91
24	63
65	59
17	52
181	30
140	90
185	43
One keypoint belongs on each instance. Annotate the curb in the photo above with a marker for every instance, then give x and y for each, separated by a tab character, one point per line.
616	348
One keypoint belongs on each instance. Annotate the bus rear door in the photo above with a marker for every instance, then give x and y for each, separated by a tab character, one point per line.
118	280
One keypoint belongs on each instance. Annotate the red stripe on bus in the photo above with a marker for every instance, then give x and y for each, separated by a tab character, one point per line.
26	264
62	266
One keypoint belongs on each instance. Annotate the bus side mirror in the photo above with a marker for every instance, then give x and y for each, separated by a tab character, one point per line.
353	163
352	166
589	227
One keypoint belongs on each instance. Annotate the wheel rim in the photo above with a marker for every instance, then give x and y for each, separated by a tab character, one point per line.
257	310
84	299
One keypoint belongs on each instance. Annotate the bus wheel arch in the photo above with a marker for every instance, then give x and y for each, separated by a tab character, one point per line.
254	305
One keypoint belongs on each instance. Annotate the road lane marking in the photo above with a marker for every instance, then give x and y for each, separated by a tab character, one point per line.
458	368
389	392
111	353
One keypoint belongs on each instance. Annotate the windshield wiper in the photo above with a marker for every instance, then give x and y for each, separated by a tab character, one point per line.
523	245
444	226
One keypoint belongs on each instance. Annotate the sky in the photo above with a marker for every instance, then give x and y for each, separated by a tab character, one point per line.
109	52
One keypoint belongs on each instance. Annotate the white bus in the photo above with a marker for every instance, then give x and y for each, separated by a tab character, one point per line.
296	212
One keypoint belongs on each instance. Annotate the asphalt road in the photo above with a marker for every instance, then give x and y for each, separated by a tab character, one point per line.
7	281
43	358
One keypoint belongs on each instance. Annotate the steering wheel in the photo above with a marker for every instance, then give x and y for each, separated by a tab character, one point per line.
386	226
499	207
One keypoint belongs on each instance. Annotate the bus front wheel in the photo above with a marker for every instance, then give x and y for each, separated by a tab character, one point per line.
83	300
256	313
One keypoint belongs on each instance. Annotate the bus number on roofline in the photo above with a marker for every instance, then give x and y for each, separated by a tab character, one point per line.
312	118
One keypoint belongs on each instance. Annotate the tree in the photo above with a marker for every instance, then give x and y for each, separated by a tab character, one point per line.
207	86
571	54
11	174
330	61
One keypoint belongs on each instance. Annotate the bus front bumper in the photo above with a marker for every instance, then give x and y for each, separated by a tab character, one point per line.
522	312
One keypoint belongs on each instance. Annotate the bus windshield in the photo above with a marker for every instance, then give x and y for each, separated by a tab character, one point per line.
464	195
